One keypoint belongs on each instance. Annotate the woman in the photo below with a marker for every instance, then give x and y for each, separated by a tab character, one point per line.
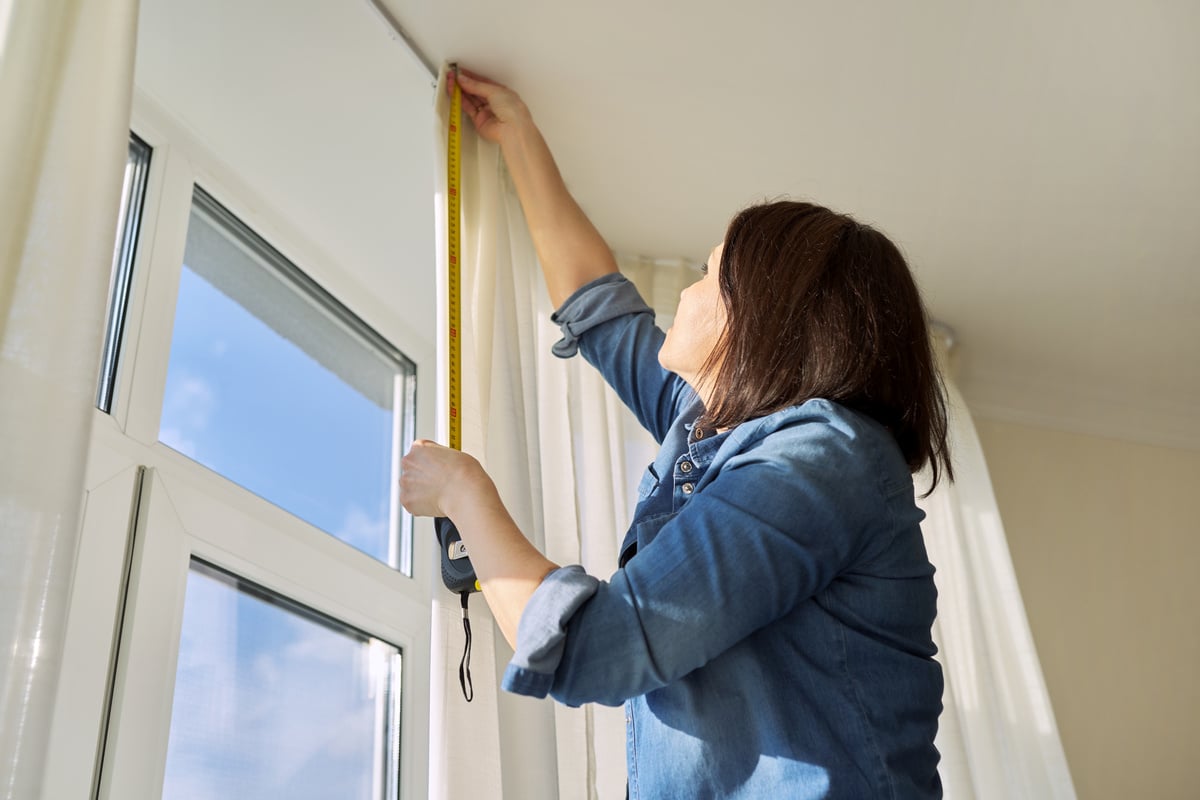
768	629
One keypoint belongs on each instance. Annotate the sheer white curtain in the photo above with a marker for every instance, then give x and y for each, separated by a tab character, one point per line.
998	737
66	74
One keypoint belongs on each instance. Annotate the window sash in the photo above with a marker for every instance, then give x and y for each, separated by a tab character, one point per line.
231	257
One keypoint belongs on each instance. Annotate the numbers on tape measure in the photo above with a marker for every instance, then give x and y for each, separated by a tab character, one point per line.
453	284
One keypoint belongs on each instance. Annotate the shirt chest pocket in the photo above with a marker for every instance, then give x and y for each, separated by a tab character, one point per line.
648	484
649	528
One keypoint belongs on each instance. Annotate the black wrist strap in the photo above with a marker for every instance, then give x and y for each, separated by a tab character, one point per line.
464	666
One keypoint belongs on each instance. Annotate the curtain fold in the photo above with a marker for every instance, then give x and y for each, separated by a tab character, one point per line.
998	736
66	74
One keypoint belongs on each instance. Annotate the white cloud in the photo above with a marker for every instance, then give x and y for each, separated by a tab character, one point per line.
187	408
367	533
174	439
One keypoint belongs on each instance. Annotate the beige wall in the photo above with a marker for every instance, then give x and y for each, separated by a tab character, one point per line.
1105	538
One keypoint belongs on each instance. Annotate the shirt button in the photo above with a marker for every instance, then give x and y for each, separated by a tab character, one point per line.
687	488
685	466
698	433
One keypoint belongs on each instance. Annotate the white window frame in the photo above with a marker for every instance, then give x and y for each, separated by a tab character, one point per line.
148	509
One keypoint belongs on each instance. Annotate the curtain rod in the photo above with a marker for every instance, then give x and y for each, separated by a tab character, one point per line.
397	32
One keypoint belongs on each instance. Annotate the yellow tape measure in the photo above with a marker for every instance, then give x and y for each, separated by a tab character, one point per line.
454	284
457	572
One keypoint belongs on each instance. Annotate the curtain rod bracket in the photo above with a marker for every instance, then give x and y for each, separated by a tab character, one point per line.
945	333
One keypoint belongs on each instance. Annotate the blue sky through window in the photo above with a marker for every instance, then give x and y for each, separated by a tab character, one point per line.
270	703
254	407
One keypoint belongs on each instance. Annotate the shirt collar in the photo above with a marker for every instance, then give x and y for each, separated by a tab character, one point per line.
703	443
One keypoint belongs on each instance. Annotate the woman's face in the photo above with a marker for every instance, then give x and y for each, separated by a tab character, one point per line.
699	321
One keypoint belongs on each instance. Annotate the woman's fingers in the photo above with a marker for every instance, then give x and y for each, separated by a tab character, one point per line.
430	473
474	102
473	86
492	106
422	478
475	108
474	82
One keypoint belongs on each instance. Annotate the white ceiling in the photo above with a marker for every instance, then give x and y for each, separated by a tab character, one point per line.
1039	163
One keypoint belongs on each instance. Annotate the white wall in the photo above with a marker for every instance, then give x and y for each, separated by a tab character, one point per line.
1105	539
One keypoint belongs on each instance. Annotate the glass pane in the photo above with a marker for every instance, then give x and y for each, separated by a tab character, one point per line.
133	190
273	700
275	385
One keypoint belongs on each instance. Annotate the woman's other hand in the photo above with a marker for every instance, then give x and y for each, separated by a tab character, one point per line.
436	481
492	107
433	478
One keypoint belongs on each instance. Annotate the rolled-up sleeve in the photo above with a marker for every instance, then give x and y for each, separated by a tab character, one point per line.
593	304
543	629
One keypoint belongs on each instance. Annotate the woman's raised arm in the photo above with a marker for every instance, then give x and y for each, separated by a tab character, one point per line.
570	248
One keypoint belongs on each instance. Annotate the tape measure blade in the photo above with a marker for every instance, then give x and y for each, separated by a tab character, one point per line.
454	271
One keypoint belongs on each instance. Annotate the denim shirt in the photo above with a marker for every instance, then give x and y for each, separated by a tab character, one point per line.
768	630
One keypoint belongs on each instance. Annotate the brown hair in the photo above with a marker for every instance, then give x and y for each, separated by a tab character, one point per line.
819	306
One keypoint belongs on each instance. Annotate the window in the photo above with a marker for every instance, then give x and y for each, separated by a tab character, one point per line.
215	588
275	385
275	700
133	192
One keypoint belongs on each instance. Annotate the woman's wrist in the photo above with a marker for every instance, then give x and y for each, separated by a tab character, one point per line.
519	133
469	486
